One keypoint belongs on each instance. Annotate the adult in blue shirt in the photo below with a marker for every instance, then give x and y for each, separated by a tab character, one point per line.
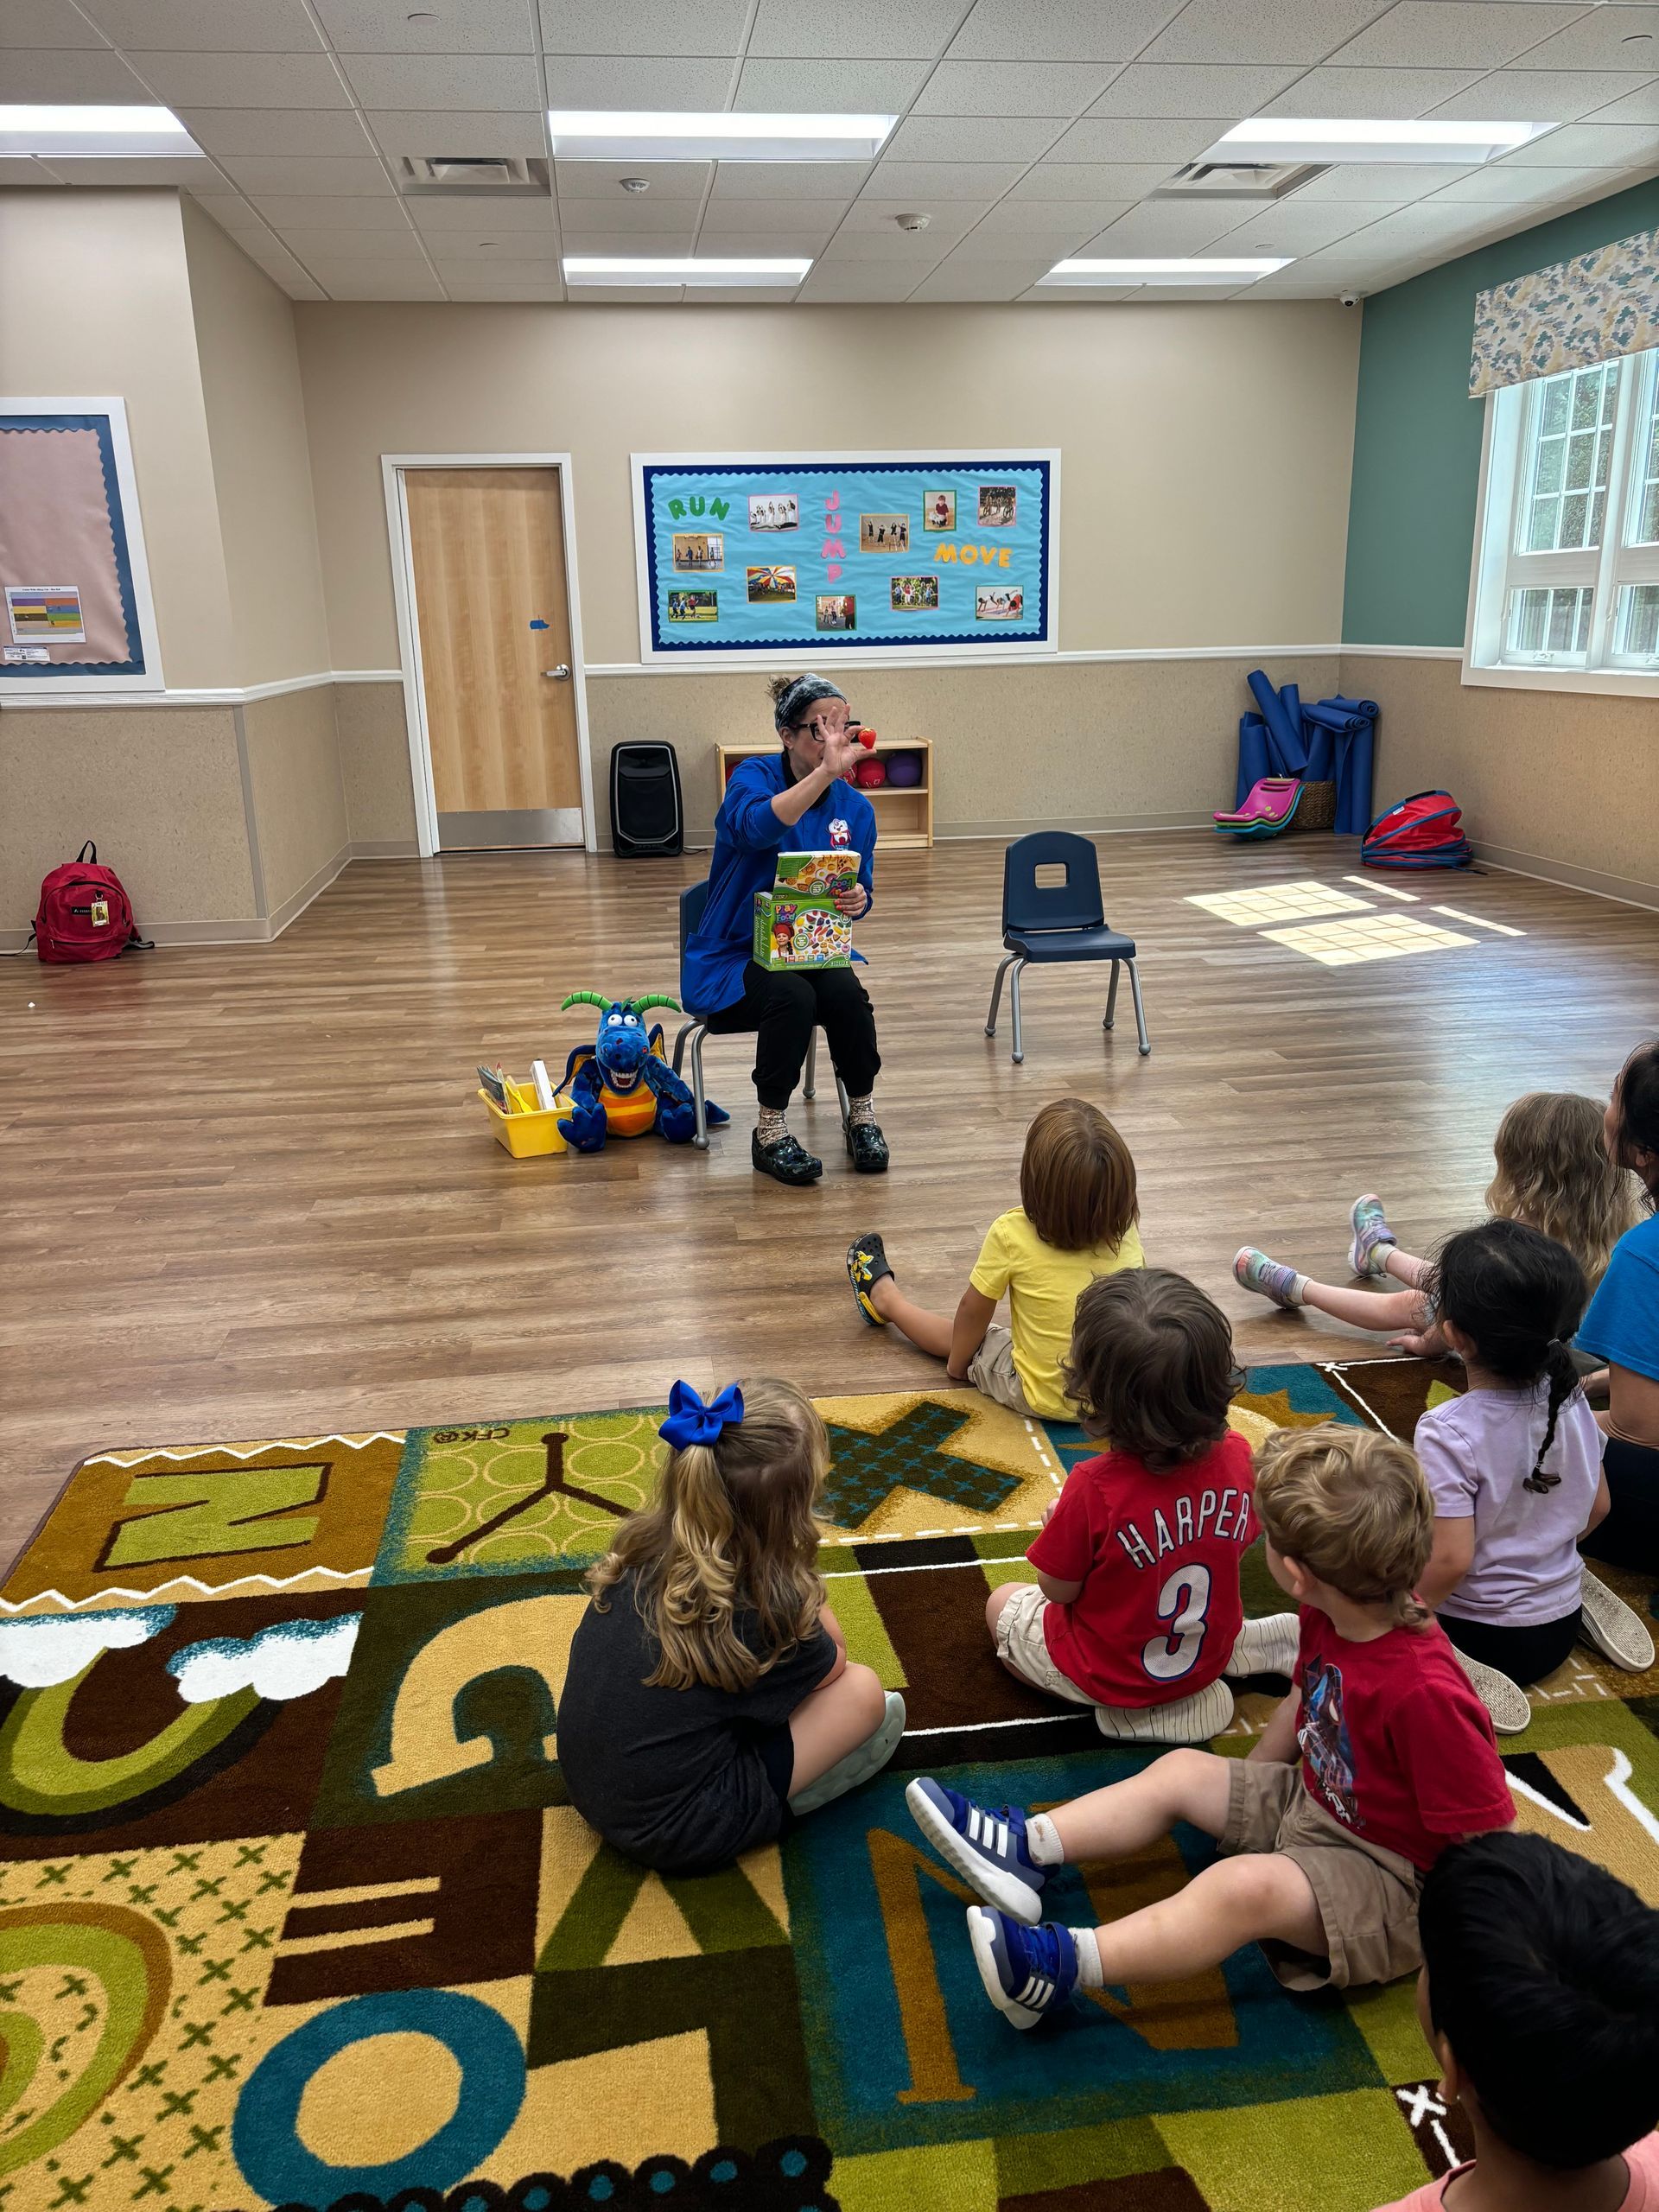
1622	1326
798	801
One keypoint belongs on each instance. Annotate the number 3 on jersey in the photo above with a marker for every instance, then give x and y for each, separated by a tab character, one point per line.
1183	1602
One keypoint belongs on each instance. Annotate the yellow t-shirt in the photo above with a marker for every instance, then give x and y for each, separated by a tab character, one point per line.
1043	1285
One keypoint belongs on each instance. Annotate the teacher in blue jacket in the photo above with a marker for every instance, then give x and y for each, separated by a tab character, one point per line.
800	802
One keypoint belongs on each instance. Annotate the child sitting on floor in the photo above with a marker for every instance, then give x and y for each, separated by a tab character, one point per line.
1553	1174
1514	1466
1381	1757
1136	1609
708	1696
1075	1220
1539	1999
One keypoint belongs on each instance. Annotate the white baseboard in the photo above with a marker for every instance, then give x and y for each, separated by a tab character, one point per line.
1625	889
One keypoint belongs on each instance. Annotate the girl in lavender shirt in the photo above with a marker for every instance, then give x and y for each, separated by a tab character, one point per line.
1514	1466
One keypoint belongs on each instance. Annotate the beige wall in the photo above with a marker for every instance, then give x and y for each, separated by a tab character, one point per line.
262	467
374	767
1556	783
1206	449
297	805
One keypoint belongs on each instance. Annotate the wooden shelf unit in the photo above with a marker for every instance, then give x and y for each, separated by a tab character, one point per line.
904	817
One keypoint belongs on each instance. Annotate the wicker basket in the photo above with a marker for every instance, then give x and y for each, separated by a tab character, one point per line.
1316	809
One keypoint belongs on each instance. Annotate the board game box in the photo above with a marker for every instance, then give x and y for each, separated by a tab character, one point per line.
794	931
812	874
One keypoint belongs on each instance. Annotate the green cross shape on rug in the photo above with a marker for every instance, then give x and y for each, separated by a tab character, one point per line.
907	1455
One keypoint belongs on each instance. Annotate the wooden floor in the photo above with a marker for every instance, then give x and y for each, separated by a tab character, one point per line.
248	1192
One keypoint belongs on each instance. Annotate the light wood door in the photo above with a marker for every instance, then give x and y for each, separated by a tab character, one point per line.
487	550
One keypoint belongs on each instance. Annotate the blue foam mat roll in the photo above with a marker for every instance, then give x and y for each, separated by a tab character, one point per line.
1286	746
1252	762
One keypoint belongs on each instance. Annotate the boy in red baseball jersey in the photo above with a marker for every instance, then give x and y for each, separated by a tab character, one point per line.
1136	1609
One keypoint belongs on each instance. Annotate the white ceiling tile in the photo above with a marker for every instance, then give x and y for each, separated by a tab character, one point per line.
1167	227
923	183
1502	182
510	253
1298	231
644	217
916	249
475	131
589	237
766	244
1640	105
973	139
829	87
586	27
88	170
341	244
667	179
331	176
276	129
1116	138
959	279
445	81
796	180
233	214
635	81
809	224
1393	181
438	219
1591	146
378	285
1091	179
45	22
1393	95
1443	223
743	296
1038	250
1060	30
317	211
1538	95
98	76
300	80
531	285
945	225
1288	285
608	296
1077	295
19	168
855	281
1221	92
206	26
1598	40
1058	88
1262	30
1469	34
869	28
1069	221
1346	262
390	27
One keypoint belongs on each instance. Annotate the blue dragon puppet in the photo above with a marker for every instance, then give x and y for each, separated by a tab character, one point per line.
621	1085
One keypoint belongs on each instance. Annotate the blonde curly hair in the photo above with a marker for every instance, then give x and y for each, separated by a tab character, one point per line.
1353	1506
1555	1175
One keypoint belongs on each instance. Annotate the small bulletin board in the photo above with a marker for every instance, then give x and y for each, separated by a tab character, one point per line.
844	555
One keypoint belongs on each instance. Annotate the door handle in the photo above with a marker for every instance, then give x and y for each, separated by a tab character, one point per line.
560	675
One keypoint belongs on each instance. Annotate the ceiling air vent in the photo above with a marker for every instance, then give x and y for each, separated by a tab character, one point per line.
475	177
1237	180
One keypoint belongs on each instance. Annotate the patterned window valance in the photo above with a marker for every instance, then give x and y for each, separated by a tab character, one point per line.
1569	316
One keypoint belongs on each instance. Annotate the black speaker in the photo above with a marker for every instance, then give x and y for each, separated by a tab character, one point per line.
646	817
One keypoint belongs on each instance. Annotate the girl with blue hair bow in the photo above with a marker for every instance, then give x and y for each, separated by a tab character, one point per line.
709	1699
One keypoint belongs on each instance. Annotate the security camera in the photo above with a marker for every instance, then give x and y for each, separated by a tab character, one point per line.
912	222
1348	299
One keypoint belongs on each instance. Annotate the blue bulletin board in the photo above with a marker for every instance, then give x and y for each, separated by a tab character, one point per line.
844	555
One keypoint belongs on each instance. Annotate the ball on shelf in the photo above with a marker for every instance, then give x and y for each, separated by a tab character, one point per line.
905	771
870	775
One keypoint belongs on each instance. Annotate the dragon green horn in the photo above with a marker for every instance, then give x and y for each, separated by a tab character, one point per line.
586	998
655	998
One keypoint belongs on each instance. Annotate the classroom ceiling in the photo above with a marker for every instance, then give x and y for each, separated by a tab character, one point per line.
1029	130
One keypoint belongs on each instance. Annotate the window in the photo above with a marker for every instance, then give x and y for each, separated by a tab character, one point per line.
1567	566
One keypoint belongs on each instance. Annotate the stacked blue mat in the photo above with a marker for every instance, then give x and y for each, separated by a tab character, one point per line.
1331	741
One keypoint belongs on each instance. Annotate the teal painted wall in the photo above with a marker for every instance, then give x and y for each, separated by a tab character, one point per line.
1411	518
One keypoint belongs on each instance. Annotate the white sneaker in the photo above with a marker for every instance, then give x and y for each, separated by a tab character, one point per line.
1617	1633
1506	1702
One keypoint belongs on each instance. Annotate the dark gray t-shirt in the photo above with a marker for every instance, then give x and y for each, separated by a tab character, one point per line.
675	1778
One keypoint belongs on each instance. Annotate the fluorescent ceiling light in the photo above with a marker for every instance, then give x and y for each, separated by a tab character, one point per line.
1326	138
1209	271
93	131
645	135
726	272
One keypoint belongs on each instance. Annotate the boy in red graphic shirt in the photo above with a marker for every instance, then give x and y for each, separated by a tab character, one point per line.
1136	1609
1382	1758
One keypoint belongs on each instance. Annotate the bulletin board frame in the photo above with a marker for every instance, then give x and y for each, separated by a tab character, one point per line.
806	643
35	683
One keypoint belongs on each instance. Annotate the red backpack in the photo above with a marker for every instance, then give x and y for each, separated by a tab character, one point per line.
83	912
1425	830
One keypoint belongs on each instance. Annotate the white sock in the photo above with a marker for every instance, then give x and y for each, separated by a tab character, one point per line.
1090	1976
1043	1844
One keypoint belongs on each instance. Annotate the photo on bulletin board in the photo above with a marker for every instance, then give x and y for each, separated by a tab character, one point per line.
853	554
79	619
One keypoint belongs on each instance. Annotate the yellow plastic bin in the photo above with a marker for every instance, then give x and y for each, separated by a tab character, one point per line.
531	1134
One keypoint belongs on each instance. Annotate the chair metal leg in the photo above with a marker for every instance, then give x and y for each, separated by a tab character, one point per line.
700	1104
1014	1000
1140	1011
686	1028
1111	1000
846	1103
1007	962
810	1088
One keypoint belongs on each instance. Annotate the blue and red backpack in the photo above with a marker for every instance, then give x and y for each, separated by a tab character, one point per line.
1423	832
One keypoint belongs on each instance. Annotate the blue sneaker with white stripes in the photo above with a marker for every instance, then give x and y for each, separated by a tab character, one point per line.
1027	1971
986	1848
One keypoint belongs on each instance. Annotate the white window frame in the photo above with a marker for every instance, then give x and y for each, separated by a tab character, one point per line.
1497	569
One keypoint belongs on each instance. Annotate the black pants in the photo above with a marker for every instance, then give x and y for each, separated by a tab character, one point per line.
784	1007
1526	1655
1630	1534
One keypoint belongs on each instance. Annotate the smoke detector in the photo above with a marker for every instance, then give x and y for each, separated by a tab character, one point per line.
912	222
635	184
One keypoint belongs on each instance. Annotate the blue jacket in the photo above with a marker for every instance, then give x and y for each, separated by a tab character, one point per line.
747	837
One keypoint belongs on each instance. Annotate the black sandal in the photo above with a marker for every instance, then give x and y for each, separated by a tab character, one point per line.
867	1262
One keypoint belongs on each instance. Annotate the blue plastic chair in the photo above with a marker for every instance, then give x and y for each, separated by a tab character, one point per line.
693	900
1045	924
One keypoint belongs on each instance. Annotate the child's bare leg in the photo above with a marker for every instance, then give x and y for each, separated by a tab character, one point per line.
928	1332
1113	1822
1386	1310
1236	1901
1405	1267
833	1721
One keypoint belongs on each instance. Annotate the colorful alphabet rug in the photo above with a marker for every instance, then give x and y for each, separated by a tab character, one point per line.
294	1911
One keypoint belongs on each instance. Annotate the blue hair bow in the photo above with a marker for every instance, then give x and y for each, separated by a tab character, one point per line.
690	1421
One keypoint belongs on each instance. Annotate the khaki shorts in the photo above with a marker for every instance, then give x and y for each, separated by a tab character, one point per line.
992	1370
1367	1896
1022	1647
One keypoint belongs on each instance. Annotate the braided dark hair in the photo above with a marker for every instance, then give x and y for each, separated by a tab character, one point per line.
1519	1296
1637	1107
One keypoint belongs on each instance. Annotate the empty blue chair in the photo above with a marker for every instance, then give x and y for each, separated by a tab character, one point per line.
1045	922
693	900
